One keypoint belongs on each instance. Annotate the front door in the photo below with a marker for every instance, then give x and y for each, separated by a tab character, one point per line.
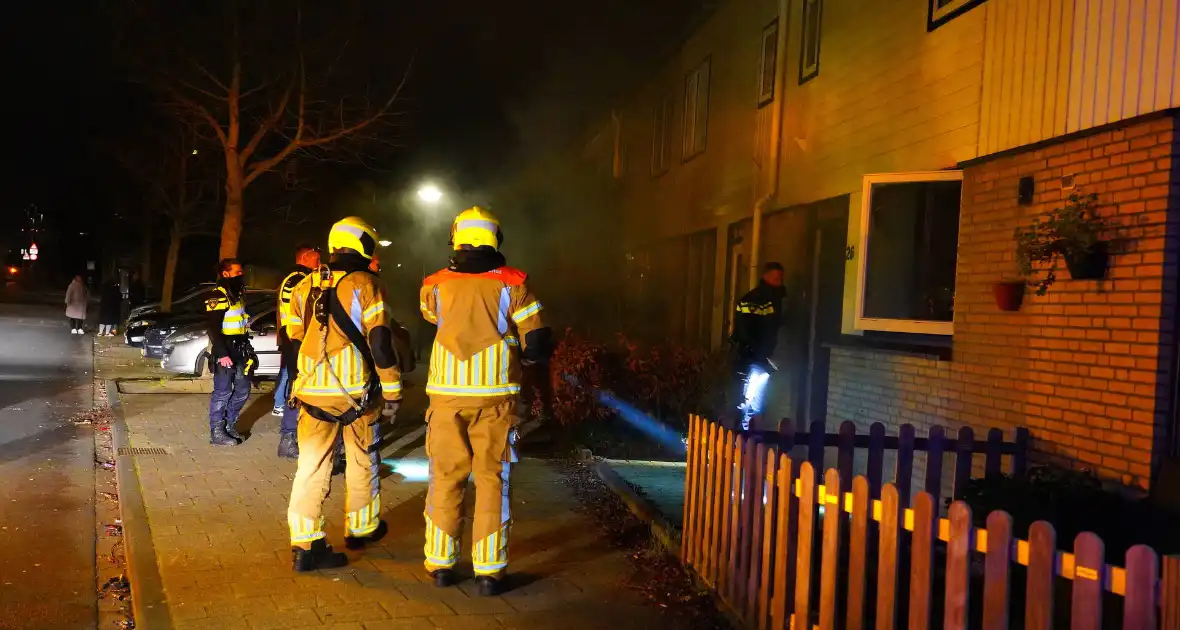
824	302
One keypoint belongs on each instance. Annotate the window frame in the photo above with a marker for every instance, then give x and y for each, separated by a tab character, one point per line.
936	17
769	41
687	153
661	146
805	73
877	324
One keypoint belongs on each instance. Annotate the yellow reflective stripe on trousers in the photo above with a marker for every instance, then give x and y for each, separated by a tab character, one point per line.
527	312
441	550
364	521
490	555
305	530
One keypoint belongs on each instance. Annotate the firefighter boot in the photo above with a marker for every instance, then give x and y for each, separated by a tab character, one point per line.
320	556
488	585
360	542
288	445
218	436
443	577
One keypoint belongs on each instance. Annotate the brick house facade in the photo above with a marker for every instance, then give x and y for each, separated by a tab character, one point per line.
1087	368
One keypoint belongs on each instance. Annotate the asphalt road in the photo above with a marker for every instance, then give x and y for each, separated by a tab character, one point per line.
47	520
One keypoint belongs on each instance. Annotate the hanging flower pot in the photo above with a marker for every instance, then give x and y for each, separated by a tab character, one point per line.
1009	294
1088	264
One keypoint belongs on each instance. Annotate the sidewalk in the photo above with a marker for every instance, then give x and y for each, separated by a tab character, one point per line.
218	526
661	483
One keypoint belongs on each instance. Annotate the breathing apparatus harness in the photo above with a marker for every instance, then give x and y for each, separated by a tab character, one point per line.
323	305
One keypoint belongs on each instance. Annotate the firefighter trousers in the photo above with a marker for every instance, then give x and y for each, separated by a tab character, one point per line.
462	443
313	478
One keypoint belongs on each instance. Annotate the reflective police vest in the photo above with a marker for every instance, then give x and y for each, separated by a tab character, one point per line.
286	315
233	322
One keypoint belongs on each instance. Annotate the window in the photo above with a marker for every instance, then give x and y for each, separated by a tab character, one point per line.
809	56
661	140
767	63
943	11
909	244
696	110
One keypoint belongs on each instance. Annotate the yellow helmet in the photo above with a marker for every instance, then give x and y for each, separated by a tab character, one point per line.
355	234
476	227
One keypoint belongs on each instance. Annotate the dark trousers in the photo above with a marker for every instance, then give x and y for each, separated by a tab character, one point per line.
290	420
231	389
77	324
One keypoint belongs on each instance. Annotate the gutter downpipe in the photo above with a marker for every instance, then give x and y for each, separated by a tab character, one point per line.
776	140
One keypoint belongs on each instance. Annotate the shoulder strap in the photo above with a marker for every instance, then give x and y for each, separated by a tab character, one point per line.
346	325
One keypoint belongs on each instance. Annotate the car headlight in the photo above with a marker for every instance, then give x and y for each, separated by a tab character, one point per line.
184	337
140	323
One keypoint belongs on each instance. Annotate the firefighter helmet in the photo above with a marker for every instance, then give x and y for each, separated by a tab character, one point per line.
355	234
476	227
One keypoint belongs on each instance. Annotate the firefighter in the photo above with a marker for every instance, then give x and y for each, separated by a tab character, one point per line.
232	358
756	324
307	258
347	366
489	325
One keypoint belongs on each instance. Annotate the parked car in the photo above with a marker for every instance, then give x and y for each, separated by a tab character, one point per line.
155	334
186	351
190	304
181	297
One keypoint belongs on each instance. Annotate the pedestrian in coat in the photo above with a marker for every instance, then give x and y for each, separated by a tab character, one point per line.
76	297
110	309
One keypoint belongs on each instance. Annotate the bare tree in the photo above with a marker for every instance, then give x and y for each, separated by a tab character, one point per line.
262	84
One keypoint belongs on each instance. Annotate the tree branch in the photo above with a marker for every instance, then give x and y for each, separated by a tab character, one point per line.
268	123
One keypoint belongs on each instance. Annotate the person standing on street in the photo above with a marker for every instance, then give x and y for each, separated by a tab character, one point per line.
307	260
232	356
757	319
76	298
347	367
489	325
110	309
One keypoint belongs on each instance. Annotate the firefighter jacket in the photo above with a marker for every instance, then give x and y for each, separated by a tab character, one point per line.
284	312
756	322
226	324
487	320
334	375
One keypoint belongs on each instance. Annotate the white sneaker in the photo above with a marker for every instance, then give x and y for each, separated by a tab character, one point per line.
75	332
277	411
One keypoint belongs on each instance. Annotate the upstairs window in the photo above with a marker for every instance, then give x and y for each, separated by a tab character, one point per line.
696	110
909	245
661	140
812	27
768	63
943	11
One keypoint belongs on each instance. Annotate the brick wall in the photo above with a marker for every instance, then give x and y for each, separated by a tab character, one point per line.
1086	368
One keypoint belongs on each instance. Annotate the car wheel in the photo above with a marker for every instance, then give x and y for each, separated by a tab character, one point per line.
202	365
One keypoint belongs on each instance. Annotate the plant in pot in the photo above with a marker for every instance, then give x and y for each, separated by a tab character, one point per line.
1009	294
1073	233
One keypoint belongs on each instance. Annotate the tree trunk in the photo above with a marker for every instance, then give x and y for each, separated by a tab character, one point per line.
145	254
170	269
231	225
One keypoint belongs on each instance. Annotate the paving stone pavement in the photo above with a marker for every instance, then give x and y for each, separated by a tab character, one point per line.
218	522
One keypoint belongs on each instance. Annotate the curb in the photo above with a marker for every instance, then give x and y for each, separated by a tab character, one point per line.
667	535
148	603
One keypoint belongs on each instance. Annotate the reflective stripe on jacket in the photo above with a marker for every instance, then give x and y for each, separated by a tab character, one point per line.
331	369
234	318
481	319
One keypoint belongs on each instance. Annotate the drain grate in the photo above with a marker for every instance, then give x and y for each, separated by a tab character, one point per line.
155	450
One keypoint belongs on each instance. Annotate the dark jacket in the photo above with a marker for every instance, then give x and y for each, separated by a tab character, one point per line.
757	319
110	309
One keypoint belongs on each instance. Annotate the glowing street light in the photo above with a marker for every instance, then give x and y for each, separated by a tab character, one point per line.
430	193
384	243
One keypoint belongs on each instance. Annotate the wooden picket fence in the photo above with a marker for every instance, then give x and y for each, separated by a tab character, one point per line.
763	537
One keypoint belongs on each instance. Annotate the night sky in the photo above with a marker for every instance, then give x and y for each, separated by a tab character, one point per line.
490	81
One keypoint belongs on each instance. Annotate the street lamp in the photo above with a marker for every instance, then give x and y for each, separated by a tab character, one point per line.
430	193
384	243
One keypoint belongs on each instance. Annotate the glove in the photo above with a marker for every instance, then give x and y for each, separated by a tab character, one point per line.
390	409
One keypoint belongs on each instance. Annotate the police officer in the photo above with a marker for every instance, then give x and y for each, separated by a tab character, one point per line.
757	318
233	359
347	366
489	324
307	259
